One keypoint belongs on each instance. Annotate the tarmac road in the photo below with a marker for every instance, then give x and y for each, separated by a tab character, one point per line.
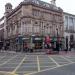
65	70
23	64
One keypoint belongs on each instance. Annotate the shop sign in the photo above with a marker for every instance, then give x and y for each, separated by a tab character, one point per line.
37	38
25	38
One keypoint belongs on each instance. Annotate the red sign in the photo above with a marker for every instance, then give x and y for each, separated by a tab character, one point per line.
47	39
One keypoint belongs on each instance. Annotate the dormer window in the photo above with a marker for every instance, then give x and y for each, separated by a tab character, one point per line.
35	1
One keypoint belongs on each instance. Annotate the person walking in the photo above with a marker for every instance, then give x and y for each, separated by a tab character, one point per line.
57	46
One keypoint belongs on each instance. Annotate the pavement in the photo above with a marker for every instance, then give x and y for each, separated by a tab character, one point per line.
38	64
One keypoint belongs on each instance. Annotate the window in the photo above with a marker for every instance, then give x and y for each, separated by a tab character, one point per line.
8	29
7	7
36	22
27	29
36	29
27	21
50	16
71	26
35	1
36	13
71	21
56	18
66	22
74	24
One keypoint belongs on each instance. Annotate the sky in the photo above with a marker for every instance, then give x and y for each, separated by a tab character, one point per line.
67	5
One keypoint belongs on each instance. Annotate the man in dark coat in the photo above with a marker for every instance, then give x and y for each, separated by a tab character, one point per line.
57	47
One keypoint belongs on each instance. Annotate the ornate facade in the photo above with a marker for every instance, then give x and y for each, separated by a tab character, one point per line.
33	18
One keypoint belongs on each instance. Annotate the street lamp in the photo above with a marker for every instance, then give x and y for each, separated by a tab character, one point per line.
57	31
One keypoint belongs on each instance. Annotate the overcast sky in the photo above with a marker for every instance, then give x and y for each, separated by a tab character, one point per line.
66	5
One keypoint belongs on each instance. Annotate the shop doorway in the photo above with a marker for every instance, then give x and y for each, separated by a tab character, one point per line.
38	45
38	41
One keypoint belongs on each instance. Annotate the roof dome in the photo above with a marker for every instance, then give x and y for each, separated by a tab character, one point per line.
8	4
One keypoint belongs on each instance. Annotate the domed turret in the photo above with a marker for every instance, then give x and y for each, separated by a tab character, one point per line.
8	8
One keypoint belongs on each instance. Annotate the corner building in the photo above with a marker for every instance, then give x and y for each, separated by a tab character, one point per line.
31	21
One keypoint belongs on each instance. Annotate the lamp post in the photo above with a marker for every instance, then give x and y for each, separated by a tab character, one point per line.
57	43
57	32
42	34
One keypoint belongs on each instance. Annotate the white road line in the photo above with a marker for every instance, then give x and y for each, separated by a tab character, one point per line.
6	73
18	65
50	69
67	59
54	61
38	63
70	57
2	57
8	60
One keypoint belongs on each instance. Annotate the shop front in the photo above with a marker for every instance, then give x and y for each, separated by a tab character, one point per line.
23	43
38	42
58	43
53	42
26	44
6	44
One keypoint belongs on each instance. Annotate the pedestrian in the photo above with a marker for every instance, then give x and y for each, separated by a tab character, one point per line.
71	45
25	47
1	45
47	46
57	46
66	50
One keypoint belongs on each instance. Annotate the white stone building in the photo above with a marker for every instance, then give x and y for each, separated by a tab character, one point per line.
69	28
33	17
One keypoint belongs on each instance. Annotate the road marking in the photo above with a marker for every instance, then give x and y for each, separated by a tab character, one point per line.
67	59
6	73
8	60
51	68
2	57
19	65
38	63
54	61
30	73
